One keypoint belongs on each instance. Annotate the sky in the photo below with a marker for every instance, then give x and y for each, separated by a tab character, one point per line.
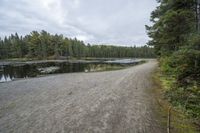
118	22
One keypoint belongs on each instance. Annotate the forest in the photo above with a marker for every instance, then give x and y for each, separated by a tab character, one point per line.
175	35
43	45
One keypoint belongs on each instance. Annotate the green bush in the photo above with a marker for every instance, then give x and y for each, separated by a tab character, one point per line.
167	65
186	98
186	66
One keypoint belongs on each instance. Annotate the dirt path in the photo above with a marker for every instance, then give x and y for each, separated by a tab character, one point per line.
112	102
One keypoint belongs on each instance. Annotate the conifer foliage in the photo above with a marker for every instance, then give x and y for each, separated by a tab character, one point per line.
43	45
175	36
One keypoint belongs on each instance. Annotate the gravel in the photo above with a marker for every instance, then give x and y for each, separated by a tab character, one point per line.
101	102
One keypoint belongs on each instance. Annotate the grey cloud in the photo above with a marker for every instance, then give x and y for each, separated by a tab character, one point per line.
94	21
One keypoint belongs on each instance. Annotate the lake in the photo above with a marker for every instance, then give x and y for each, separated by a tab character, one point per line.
10	71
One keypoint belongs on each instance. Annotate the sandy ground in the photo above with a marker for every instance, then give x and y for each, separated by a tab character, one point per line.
101	102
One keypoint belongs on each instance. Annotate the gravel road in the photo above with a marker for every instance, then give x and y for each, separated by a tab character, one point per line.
100	102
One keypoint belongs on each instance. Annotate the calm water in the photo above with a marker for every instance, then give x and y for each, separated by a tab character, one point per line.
16	71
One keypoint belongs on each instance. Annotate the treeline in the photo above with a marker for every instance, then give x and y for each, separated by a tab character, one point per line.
175	36
43	45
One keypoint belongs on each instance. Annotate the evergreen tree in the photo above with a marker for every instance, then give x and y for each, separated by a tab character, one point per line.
175	36
43	45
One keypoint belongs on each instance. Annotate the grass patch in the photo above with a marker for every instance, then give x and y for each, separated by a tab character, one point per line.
103	67
110	67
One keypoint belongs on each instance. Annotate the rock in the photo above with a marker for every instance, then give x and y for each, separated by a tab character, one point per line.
48	69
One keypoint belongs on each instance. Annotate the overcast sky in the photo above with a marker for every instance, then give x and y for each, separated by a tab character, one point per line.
93	21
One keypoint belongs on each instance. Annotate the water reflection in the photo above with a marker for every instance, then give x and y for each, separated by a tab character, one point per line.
11	72
5	78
